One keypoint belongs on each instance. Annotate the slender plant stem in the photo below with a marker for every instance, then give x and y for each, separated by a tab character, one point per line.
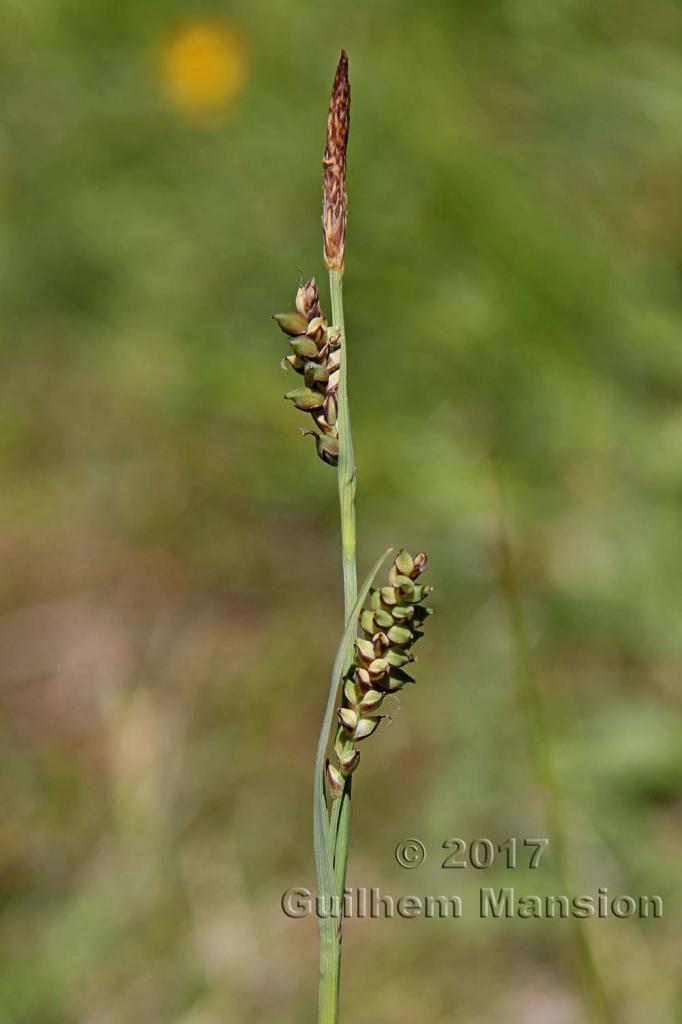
346	465
330	920
339	831
330	969
346	478
530	691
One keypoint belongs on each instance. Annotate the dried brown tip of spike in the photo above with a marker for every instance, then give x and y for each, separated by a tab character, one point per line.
334	200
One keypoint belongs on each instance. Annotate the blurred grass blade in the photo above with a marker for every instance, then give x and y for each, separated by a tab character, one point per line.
594	992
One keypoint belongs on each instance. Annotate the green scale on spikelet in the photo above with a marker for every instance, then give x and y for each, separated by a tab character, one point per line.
315	355
391	625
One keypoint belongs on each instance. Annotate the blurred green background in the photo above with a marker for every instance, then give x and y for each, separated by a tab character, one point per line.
170	594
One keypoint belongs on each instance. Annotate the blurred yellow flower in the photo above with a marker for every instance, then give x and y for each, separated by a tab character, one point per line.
204	66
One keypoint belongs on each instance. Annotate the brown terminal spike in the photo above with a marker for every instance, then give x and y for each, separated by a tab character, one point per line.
334	200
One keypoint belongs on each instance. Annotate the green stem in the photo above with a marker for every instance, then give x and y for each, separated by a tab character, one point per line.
346	466
530	690
339	833
330	969
326	832
346	478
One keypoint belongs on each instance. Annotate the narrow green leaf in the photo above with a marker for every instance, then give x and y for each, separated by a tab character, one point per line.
324	867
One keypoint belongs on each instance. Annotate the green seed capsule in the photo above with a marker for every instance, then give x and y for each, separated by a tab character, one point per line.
371	701
342	743
404	563
375	600
365	650
348	718
351	693
331	408
400	635
362	680
396	659
389	596
402	584
349	762
402	581
314	373
405	592
377	668
295	362
303	346
383	618
291	323
305	399
328	449
367	623
365	728
396	680
317	326
381	643
335	781
402	612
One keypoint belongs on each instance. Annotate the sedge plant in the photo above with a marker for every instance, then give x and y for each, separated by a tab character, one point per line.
381	624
